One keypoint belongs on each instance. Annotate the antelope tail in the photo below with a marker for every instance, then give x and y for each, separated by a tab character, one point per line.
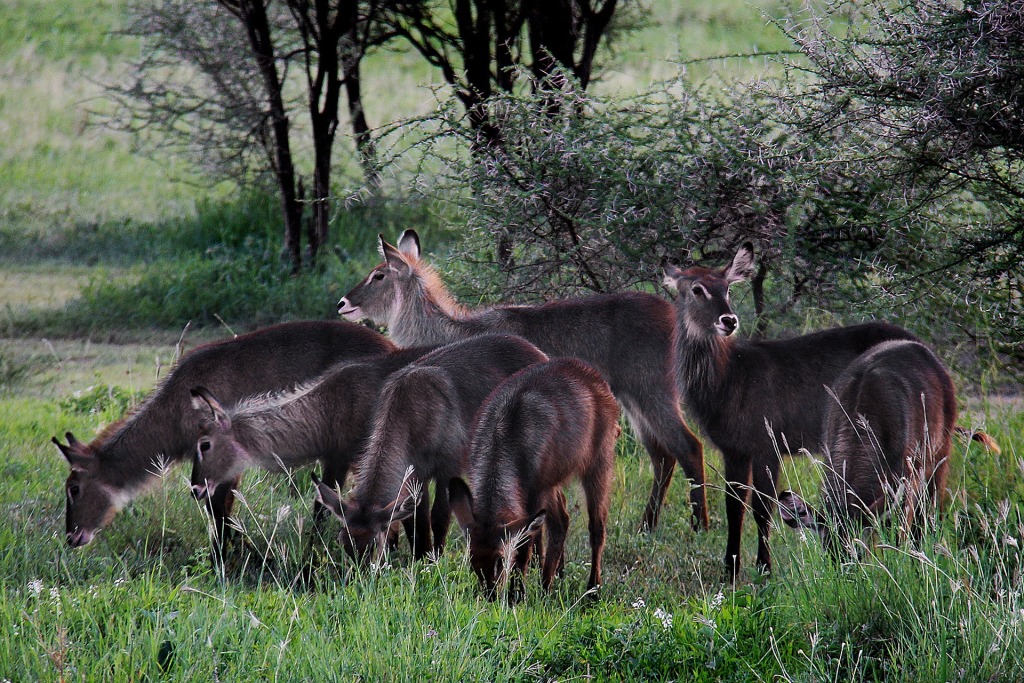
981	437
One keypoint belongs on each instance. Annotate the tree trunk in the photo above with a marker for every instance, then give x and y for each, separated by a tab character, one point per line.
360	129
253	15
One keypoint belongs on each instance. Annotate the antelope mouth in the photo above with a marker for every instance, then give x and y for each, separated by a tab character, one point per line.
349	312
81	537
200	492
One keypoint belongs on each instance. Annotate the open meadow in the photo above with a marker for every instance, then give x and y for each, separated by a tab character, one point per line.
112	261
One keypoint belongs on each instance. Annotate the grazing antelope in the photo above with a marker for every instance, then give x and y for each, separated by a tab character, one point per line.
422	420
755	399
626	336
127	457
326	420
888	437
541	428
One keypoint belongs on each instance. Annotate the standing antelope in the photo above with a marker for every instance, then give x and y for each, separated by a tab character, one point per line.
127	457
422	420
541	428
627	337
754	399
326	420
888	436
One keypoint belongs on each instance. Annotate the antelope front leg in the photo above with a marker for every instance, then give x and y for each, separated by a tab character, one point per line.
556	525
440	515
421	543
737	486
763	505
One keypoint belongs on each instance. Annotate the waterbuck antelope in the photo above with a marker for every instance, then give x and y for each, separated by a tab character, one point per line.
755	399
422	420
627	337
888	438
541	428
326	420
128	456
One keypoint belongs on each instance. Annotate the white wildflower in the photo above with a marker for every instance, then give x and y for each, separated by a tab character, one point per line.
665	617
35	586
717	601
639	603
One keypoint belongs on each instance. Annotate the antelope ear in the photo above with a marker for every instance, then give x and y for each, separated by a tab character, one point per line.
329	498
460	498
409	244
392	256
742	265
76	453
536	523
401	509
529	527
795	512
66	451
203	400
672	276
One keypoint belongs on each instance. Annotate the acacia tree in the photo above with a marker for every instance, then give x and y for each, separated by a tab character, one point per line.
238	118
480	46
938	86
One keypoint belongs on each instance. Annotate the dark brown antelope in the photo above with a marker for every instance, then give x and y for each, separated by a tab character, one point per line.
422	422
627	337
888	437
542	428
754	399
128	456
326	420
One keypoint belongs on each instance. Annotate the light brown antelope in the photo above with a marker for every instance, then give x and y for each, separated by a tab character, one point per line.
127	457
756	399
888	437
542	428
422	421
626	336
326	420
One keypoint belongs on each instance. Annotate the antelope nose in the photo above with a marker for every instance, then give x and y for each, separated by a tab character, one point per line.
728	324
199	491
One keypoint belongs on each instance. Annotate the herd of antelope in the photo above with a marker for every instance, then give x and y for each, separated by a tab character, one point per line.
501	407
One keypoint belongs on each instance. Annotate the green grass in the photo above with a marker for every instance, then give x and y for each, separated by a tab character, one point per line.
146	586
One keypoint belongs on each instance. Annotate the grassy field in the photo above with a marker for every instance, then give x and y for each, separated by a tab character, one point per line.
107	254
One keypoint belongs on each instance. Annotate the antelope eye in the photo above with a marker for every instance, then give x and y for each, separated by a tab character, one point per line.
699	291
378	276
74	490
204	446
